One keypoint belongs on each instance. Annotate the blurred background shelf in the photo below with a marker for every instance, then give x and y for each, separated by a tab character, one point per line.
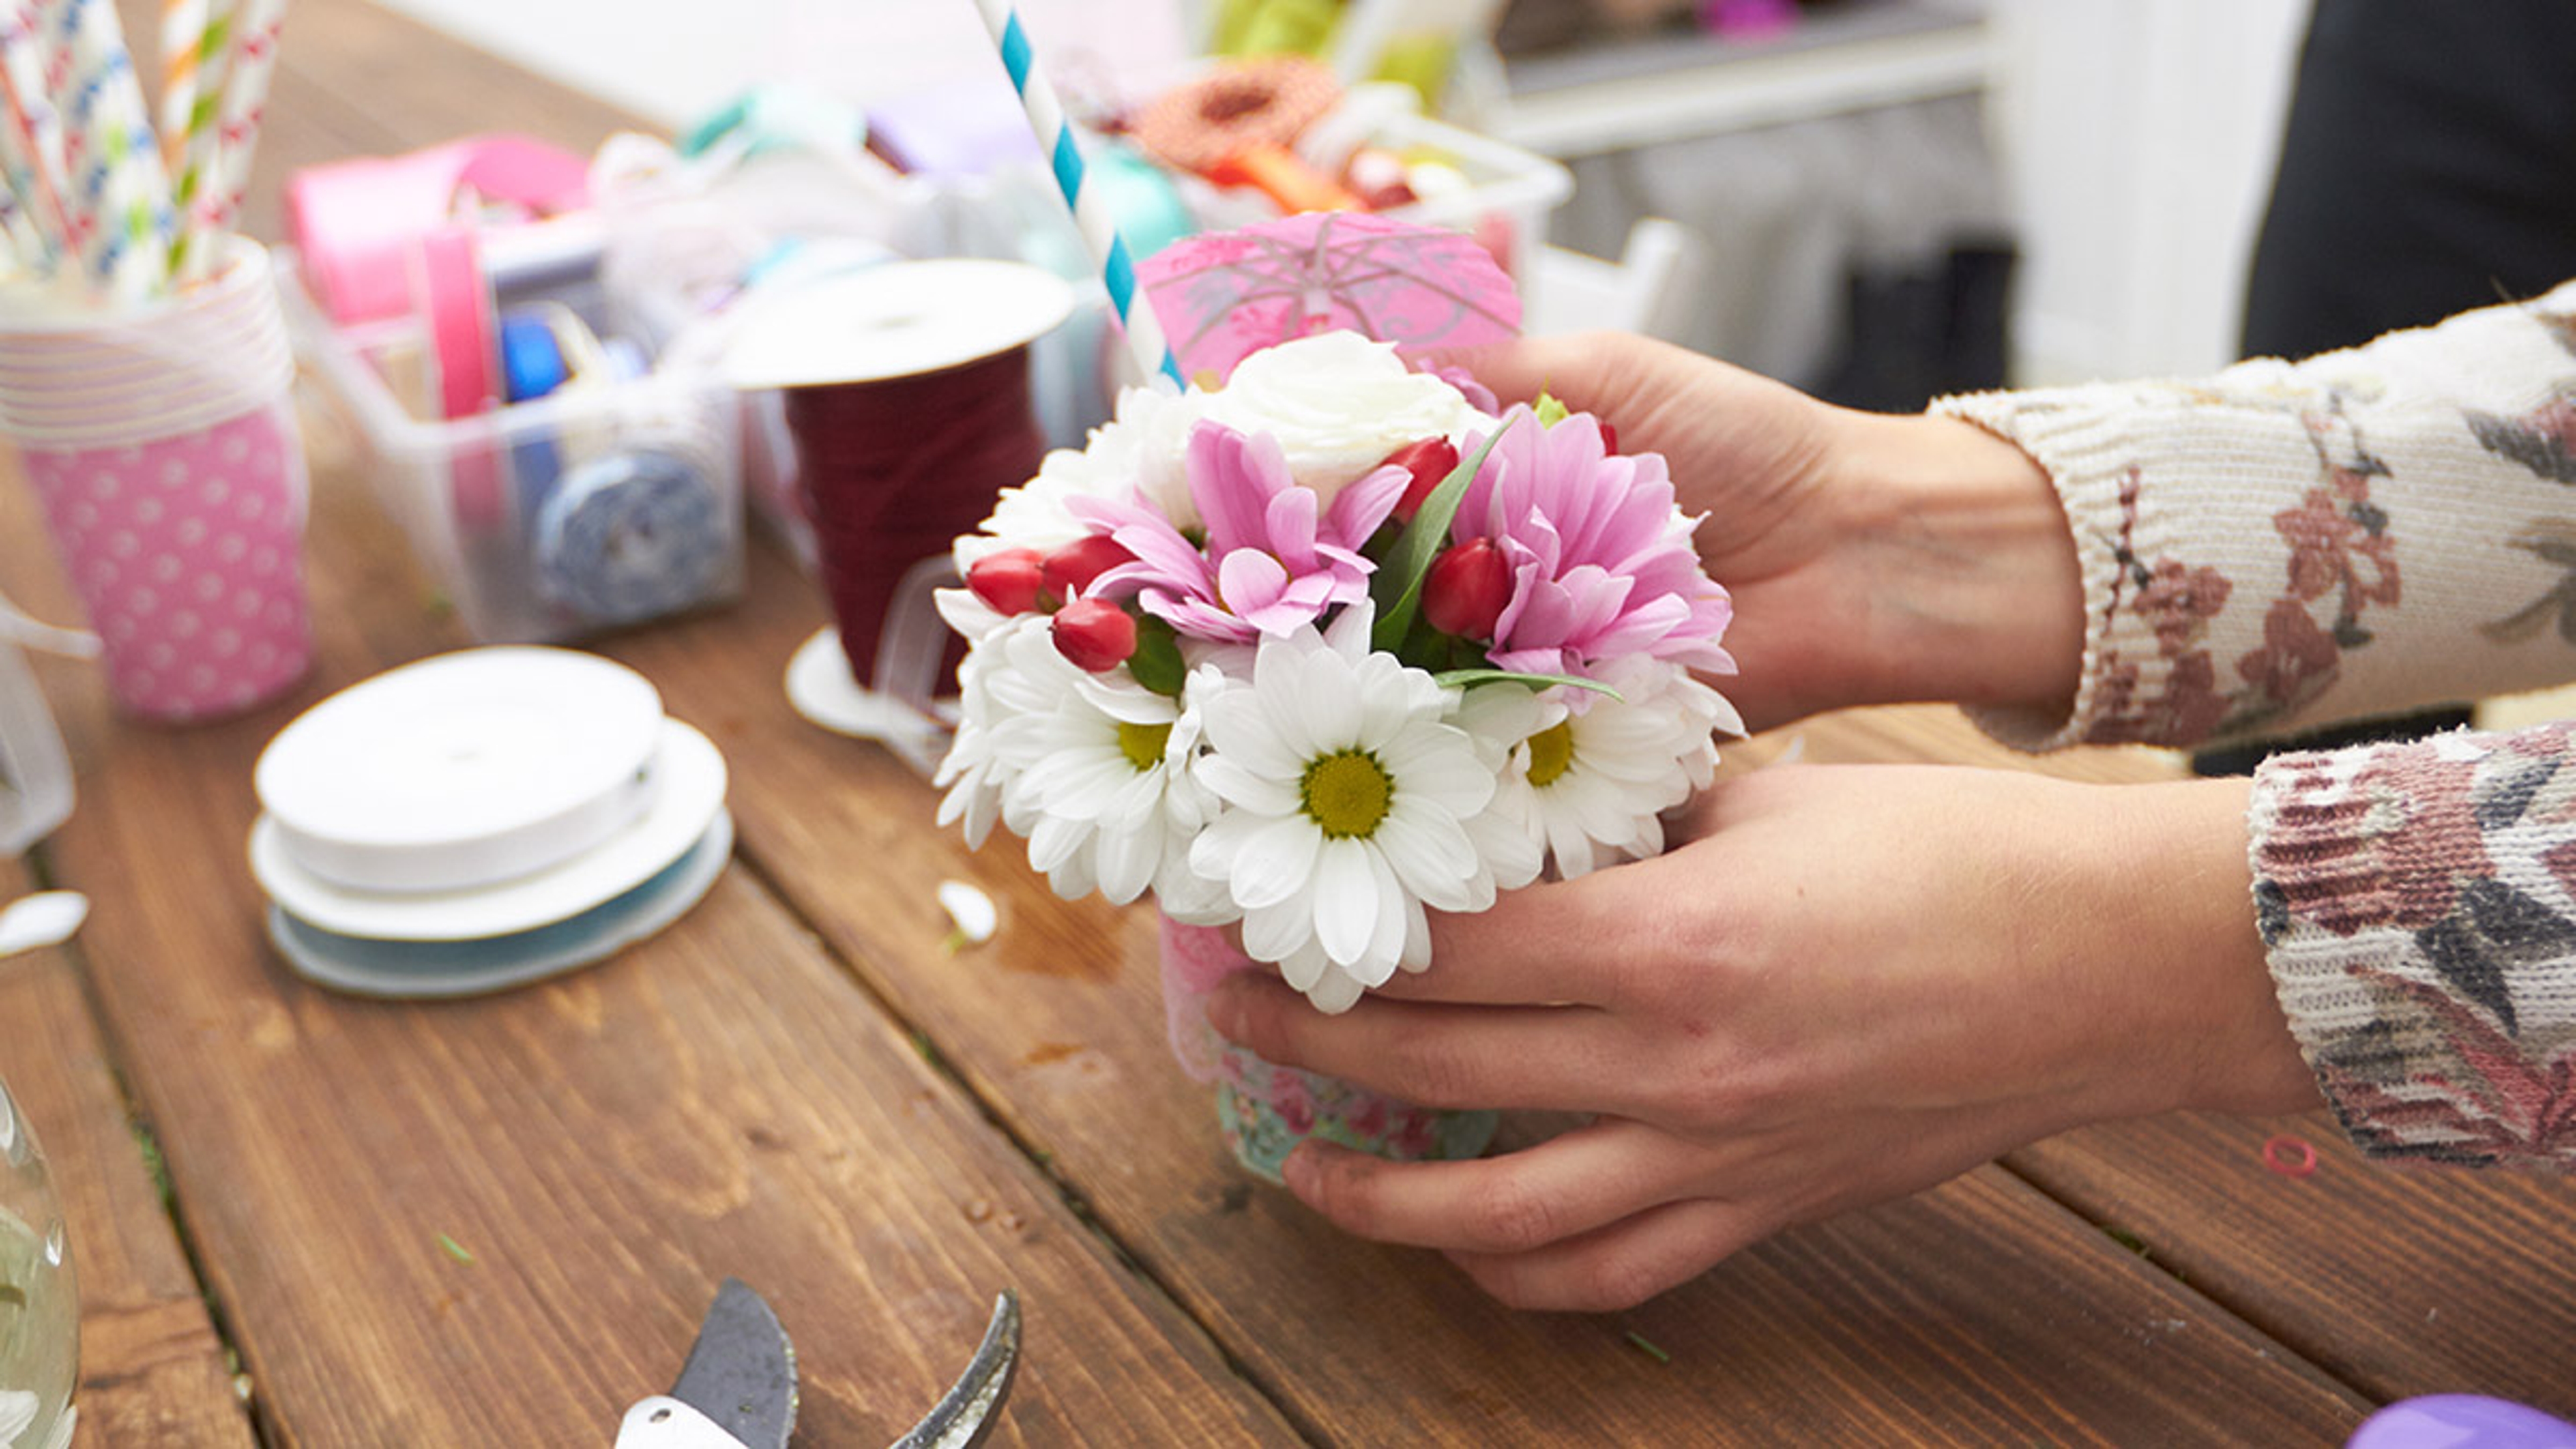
1616	93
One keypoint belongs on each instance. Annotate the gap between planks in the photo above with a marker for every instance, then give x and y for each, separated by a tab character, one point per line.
1038	1158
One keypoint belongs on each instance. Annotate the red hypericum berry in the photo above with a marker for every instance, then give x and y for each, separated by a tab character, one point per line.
1466	589
1430	461
1095	634
1609	438
1007	582
1070	569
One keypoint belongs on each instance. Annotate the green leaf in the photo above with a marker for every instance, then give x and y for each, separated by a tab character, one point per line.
1157	661
454	1249
1396	587
1470	678
1551	412
1648	1347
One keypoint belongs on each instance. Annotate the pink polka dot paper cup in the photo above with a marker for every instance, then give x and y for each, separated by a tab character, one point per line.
162	443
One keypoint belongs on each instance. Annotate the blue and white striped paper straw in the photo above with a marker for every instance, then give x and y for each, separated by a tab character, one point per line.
1090	213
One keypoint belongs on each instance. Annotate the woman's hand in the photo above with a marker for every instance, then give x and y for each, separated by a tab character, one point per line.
1873	559
1864	981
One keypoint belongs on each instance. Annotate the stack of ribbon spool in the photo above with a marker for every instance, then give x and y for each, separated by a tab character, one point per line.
483	819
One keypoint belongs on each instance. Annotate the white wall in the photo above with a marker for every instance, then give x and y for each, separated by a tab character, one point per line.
2139	138
671	63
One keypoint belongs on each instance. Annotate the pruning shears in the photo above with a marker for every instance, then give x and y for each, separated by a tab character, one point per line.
737	1389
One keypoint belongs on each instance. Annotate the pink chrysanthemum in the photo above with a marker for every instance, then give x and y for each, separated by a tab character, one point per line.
1270	564
1602	563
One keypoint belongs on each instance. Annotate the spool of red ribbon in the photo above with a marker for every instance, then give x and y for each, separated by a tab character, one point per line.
907	389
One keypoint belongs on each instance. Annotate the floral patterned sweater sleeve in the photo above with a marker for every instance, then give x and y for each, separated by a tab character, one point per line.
2287	544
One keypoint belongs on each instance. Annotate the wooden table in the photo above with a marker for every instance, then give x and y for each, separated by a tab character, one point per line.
799	1086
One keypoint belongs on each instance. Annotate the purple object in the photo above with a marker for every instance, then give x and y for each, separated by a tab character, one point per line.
952	131
2462	1421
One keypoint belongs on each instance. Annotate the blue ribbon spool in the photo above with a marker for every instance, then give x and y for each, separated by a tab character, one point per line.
631	535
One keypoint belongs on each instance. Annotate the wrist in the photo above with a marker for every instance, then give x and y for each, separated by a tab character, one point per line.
2198	1025
1975	594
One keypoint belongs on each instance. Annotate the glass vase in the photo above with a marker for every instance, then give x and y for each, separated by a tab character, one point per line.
39	1302
1265	1109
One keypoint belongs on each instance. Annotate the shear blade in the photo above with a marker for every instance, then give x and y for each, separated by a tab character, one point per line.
973	1407
742	1370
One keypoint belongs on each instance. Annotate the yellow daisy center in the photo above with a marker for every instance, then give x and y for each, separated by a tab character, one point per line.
1143	744
1347	794
1551	753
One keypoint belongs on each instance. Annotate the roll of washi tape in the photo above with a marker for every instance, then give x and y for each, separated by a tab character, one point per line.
464	769
438	970
454	304
690	775
630	535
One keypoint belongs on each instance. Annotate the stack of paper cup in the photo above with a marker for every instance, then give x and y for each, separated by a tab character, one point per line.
162	442
482	819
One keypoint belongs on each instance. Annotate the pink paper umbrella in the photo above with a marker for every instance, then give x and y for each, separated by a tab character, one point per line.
1227	295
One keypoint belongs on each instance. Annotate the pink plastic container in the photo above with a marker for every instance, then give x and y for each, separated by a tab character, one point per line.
163	445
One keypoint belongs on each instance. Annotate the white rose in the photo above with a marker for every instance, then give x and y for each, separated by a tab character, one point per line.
1338	404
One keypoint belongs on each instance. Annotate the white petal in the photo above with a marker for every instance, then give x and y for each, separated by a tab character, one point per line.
1438	764
1329	712
972	911
1305	966
1240	785
1334	992
1272	932
1417	937
1055	840
1075	878
1238	727
1507	848
1345	900
1127	859
1386	937
1429	851
1276	860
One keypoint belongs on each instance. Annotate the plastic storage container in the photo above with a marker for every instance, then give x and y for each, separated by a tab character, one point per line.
599	506
1505	202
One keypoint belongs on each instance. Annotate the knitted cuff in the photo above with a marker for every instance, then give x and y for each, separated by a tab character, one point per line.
2415	907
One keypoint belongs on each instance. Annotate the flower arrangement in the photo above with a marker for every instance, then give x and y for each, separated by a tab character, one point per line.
1329	645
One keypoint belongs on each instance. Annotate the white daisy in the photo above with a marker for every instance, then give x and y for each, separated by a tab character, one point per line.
1592	784
1348	796
975	769
1106	778
1142	449
970	616
1499	717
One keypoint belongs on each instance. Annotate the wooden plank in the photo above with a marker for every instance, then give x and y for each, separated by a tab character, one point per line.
722	1100
152	1369
2038	1326
2399	1280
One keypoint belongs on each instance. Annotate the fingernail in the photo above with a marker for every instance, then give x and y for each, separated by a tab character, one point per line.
1299	1170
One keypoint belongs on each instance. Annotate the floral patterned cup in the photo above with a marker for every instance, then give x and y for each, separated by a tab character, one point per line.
163	445
1264	1109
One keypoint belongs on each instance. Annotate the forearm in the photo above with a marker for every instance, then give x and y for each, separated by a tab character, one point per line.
2283	545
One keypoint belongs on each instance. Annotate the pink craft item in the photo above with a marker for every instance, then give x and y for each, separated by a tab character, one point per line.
1224	296
187	553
